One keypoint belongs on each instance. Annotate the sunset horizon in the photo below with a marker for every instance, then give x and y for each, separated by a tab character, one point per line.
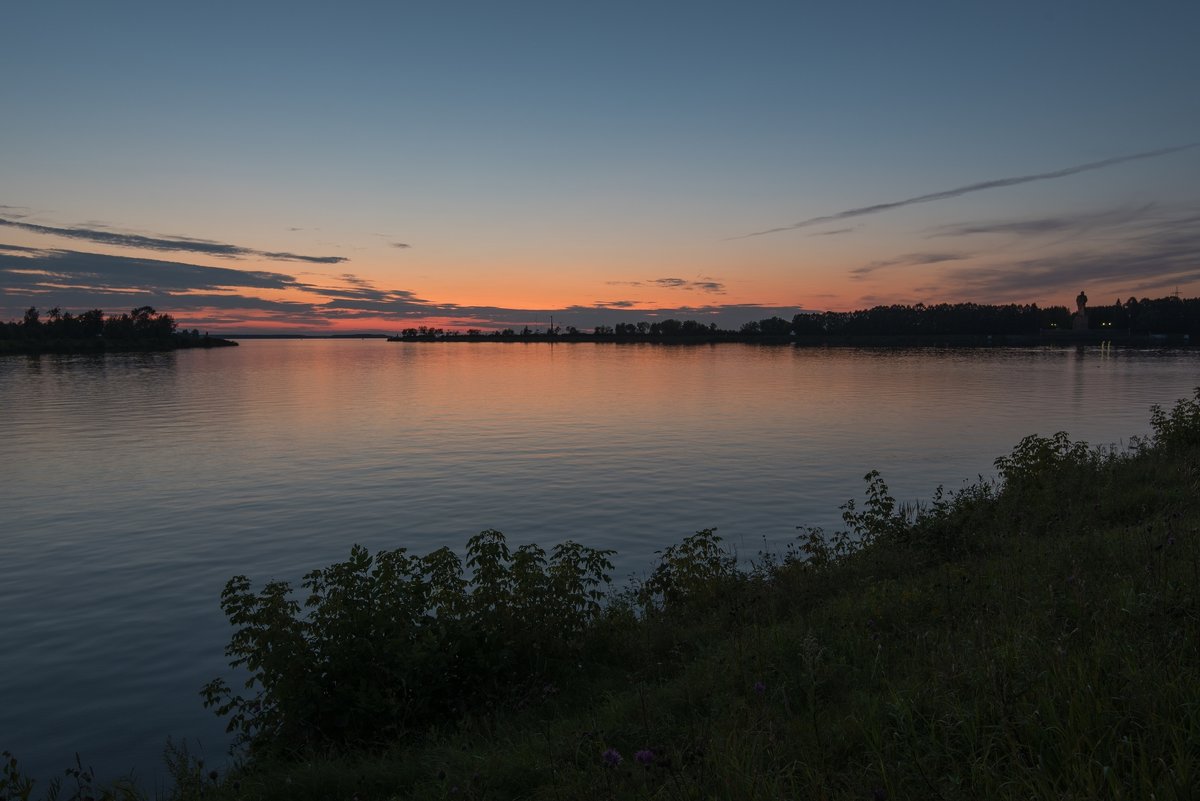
316	172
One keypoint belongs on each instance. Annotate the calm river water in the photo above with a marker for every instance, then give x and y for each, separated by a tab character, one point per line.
132	487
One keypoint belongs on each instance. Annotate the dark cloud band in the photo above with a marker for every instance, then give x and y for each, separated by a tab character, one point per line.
166	243
230	298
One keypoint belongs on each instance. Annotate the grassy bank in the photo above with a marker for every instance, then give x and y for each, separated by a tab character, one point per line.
1034	638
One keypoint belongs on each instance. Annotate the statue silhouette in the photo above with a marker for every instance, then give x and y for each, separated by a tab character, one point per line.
1080	322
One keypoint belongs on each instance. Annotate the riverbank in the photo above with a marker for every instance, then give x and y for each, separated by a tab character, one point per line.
1037	638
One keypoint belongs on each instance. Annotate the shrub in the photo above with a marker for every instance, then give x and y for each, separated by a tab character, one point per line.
878	520
389	644
695	569
1036	460
1179	428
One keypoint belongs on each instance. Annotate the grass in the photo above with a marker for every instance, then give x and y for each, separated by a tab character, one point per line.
1034	638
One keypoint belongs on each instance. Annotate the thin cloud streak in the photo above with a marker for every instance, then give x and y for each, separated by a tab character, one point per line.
1058	224
615	304
707	285
969	188
911	259
166	243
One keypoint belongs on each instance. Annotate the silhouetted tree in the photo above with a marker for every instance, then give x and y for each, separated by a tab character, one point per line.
775	326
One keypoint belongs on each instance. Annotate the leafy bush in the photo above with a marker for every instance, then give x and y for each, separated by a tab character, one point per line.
1036	460
390	644
878	520
1179	428
696	569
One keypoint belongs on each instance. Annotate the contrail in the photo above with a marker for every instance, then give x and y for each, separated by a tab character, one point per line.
963	190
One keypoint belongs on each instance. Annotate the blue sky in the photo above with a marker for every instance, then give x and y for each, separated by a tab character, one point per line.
603	161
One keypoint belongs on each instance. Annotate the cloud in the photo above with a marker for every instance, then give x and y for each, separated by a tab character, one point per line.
615	304
351	278
81	280
911	259
71	268
232	300
386	301
1056	224
1158	254
945	194
168	243
401	245
834	232
1144	249
705	285
76	278
356	289
364	294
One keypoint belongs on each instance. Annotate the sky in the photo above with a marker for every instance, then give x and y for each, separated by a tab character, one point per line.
367	167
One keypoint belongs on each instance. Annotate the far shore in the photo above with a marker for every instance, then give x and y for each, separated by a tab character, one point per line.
1123	338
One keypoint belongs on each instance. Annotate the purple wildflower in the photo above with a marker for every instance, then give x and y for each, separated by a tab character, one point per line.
644	757
759	687
612	757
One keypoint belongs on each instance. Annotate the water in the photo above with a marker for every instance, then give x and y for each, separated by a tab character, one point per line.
133	486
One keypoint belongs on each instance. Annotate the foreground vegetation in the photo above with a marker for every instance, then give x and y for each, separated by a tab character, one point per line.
1036	637
142	329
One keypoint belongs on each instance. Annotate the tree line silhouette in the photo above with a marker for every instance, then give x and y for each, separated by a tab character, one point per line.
1162	316
145	329
1169	315
92	331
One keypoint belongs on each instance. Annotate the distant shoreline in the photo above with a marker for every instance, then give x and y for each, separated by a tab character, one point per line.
305	336
864	340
